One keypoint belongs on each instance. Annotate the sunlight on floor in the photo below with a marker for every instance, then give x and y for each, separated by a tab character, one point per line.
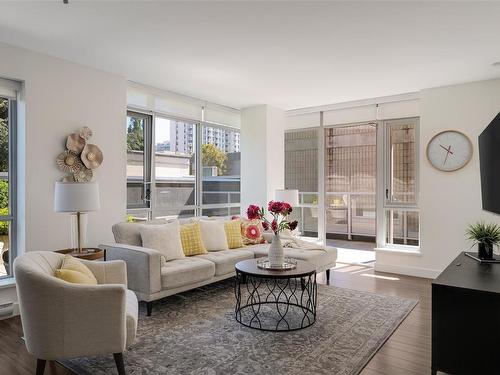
381	277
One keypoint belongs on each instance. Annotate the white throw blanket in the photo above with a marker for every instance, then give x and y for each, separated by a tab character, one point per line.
292	242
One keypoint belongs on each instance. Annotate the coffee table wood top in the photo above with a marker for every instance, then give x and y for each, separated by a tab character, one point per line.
249	267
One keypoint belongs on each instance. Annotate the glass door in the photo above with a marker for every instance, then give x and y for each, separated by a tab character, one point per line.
350	185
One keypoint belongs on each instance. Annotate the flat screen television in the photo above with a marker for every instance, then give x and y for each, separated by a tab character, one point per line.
489	160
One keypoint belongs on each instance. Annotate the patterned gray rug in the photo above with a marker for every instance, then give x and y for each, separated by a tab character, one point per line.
195	333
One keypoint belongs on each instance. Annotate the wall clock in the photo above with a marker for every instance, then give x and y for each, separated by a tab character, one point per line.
449	150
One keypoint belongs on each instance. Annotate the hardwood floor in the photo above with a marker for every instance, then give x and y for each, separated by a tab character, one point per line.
408	350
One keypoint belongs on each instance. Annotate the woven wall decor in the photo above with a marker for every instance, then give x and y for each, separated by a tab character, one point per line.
80	157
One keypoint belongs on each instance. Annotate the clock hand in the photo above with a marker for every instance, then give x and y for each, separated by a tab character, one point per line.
446	149
446	158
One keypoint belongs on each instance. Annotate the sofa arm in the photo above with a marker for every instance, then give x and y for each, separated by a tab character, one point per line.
112	272
143	266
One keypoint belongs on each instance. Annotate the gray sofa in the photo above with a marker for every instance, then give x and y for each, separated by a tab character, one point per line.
153	278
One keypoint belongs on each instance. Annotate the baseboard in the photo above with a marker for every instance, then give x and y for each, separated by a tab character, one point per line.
9	310
405	270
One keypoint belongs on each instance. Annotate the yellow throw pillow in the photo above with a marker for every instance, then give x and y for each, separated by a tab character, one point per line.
192	243
73	264
75	277
233	233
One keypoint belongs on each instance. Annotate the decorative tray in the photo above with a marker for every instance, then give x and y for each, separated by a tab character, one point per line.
288	264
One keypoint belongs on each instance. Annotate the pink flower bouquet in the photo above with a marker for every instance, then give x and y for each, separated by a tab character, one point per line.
279	212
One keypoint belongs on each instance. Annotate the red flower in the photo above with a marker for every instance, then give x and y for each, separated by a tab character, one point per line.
265	225
293	225
275	207
274	226
253	212
287	209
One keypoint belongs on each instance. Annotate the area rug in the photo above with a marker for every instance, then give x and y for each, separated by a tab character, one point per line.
196	333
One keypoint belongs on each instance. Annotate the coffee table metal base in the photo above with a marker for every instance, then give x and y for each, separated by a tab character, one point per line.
275	304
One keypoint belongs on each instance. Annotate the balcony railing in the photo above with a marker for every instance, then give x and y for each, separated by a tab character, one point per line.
353	214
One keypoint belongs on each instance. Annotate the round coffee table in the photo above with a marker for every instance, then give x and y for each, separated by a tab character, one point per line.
275	300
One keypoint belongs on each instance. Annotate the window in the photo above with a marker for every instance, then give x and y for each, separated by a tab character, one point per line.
8	219
301	172
179	168
174	169
220	162
401	182
138	164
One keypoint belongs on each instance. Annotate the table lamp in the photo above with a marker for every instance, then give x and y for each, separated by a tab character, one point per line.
77	198
290	196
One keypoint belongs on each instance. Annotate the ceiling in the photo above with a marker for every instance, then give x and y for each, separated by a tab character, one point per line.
286	54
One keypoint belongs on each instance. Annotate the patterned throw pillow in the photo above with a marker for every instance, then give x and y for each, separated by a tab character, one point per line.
233	233
192	243
251	232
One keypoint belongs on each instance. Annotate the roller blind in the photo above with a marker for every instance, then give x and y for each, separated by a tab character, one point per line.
165	102
302	121
222	115
9	88
350	115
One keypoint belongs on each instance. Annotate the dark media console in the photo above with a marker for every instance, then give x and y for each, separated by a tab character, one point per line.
466	318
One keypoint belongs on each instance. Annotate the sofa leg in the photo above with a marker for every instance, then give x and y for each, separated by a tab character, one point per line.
40	366
120	366
149	308
328	276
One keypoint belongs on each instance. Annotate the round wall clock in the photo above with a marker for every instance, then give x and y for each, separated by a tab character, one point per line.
449	150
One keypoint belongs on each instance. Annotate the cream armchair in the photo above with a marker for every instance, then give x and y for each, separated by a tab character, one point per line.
63	320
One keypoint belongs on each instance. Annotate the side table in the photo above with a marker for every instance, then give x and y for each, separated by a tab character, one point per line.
88	253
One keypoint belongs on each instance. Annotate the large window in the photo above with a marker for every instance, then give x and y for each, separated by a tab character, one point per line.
181	168
8	221
370	181
301	172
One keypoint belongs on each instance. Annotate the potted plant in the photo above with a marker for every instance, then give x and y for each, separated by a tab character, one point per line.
485	236
279	212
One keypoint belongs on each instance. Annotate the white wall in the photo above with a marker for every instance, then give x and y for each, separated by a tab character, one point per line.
60	97
448	201
262	154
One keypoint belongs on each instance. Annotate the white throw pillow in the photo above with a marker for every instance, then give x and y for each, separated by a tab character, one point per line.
165	238
213	235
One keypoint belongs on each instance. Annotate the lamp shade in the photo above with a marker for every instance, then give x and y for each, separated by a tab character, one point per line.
290	196
76	197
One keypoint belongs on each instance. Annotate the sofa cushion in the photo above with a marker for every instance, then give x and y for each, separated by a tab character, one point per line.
233	233
226	259
129	233
192	242
165	238
213	235
191	270
131	309
319	258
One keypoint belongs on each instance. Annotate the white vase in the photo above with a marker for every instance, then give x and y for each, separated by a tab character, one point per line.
276	253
